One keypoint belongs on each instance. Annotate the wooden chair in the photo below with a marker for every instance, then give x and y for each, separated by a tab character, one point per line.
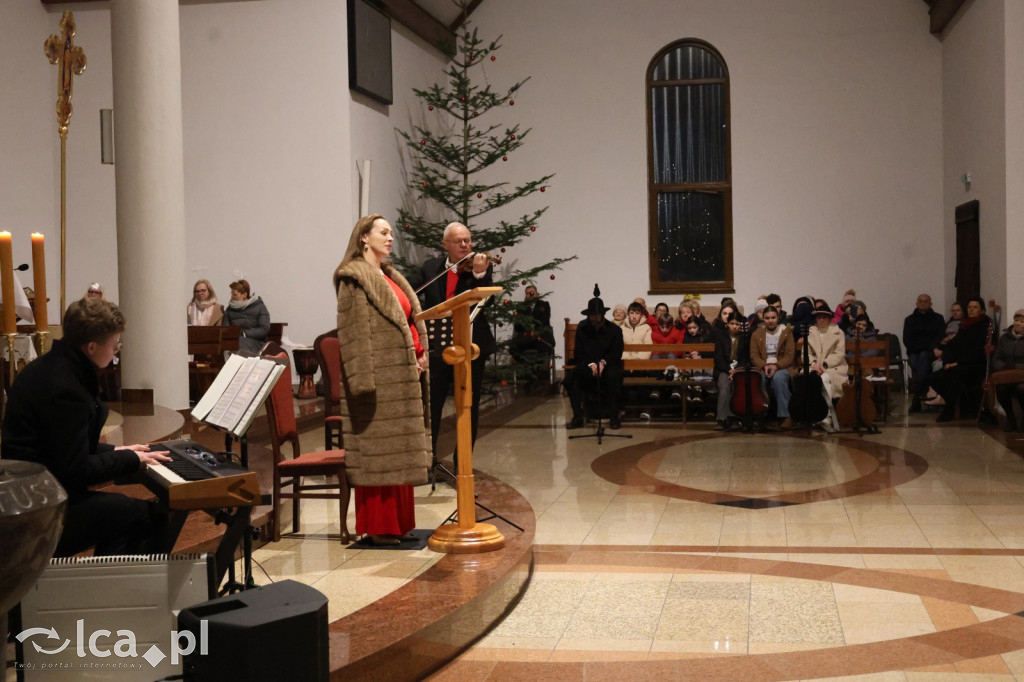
289	472
276	332
328	353
207	358
998	378
876	364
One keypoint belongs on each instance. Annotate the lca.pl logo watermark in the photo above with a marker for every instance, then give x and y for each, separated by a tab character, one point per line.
124	647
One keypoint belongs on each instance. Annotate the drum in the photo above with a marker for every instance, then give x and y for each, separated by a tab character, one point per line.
306	366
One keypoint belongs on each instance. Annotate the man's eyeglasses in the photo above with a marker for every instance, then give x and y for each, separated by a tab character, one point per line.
467	242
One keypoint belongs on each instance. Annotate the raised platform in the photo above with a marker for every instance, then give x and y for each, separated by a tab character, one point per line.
417	628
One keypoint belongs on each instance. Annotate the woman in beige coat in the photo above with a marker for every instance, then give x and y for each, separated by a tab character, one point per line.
826	348
383	367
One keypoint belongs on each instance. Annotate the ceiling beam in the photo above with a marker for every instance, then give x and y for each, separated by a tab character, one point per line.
464	16
941	12
420	22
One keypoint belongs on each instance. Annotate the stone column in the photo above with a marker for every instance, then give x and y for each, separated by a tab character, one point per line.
150	182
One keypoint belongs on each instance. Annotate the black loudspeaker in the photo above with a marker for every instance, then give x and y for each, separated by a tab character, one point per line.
277	632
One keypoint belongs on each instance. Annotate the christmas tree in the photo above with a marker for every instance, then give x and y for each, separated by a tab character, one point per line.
450	157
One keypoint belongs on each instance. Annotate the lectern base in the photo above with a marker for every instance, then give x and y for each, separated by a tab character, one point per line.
451	539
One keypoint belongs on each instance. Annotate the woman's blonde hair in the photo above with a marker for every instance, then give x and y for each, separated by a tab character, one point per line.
209	288
354	251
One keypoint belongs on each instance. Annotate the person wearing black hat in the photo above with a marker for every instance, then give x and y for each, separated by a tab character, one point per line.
598	359
826	346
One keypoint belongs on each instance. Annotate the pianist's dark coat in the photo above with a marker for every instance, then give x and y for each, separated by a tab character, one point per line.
383	401
54	416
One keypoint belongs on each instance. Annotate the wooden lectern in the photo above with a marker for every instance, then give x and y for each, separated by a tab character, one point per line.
467	536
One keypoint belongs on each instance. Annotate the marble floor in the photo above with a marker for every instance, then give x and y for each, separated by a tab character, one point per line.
686	553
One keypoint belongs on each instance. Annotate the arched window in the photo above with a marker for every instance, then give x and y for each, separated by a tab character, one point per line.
689	169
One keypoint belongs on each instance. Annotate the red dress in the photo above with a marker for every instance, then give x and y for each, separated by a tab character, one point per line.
389	509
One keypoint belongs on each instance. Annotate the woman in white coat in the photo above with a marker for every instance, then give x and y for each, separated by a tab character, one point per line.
826	349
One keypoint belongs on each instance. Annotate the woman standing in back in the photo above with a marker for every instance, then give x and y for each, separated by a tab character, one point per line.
383	367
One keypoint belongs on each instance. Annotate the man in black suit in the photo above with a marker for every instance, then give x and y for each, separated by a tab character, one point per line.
597	356
458	245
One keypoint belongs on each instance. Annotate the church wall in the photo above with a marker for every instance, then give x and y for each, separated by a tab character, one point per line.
1014	88
836	133
974	123
415	65
30	149
266	128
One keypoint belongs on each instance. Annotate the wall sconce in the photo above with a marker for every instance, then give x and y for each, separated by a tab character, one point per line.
107	136
965	179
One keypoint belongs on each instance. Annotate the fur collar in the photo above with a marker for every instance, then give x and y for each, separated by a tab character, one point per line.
378	291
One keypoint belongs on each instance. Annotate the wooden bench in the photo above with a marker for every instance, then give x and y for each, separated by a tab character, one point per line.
683	364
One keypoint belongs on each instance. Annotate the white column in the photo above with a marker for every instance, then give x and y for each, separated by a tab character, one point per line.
149	173
1014	23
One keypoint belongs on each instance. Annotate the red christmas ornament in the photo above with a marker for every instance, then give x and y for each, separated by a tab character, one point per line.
504	158
507	301
524	282
515	313
479	196
423	141
511	102
493	58
543	188
430	108
503	249
462	99
533	228
504	383
475	114
406	226
511	137
424	184
552	276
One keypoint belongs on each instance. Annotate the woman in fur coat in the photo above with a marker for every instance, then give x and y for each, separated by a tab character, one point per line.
383	373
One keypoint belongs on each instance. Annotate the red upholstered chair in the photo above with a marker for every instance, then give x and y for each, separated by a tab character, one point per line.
329	355
288	473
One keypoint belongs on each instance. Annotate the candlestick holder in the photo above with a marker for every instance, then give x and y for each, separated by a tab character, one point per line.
40	339
12	360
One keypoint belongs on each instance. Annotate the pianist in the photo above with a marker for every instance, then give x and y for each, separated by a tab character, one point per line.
54	416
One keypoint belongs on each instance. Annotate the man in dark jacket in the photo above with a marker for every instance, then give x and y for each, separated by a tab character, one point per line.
54	417
597	356
458	245
922	331
1010	355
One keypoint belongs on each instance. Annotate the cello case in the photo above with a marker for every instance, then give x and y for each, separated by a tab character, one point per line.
749	393
807	402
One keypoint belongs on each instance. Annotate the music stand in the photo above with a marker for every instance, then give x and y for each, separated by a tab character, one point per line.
467	536
599	434
240	388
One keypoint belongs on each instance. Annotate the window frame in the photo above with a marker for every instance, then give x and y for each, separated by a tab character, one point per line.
722	188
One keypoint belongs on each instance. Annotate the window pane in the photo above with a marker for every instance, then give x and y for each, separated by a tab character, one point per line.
689	129
691	237
688	63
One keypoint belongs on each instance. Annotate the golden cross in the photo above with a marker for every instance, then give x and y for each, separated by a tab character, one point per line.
70	60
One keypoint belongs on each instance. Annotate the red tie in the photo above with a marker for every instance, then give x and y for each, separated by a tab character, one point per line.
450	283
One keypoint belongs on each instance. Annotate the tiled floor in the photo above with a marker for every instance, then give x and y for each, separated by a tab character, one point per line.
693	554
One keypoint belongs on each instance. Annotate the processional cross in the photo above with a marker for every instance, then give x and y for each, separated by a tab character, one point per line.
70	61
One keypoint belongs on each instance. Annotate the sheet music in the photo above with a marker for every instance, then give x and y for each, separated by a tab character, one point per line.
237	392
217	388
270	372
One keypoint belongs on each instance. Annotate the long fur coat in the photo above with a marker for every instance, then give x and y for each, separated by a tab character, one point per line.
829	348
383	397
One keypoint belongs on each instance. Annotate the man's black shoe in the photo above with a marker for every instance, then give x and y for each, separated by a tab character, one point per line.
915	404
577	422
614	424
